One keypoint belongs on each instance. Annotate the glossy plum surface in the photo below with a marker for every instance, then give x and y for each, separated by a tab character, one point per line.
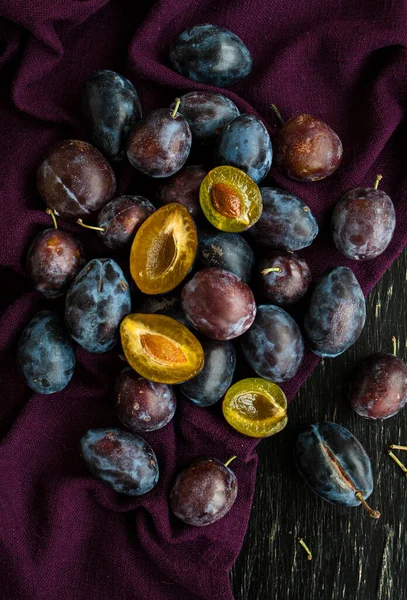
228	251
110	106
45	354
379	388
203	492
143	405
96	302
286	222
75	180
160	143
282	277
363	223
212	382
273	346
334	463
307	149
54	258
121	219
183	188
336	314
218	304
207	113
245	144
210	54
122	460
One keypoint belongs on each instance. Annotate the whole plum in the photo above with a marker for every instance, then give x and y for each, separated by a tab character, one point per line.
110	106
97	301
203	492
207	113
45	354
286	222
210	54
143	405
160	143
245	144
54	259
282	277
218	304
379	388
122	460
273	346
75	180
228	251
183	187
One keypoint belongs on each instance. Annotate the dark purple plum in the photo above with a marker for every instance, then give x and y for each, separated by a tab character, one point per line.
75	180
307	149
207	113
336	314
210	54
218	304
273	346
97	301
45	354
211	384
54	259
245	144
282	277
363	223
121	218
228	251
160	143
183	188
286	222
379	387
110	106
122	460
143	405
203	492
335	465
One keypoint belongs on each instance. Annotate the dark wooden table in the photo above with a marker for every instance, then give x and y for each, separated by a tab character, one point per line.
354	557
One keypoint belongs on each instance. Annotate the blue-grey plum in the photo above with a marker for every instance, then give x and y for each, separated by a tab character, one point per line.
214	380
97	301
45	354
207	113
282	277
336	314
121	218
210	54
273	346
286	222
245	144
363	223
228	251
122	460
334	464
110	106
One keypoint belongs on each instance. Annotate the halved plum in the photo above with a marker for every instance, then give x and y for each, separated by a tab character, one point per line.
160	348
163	250
230	199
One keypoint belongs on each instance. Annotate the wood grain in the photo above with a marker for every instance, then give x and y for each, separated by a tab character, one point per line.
353	556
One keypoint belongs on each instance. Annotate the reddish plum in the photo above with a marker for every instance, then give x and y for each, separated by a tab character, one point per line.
282	277
183	188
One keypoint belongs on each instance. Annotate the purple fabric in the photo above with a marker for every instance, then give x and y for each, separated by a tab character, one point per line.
63	535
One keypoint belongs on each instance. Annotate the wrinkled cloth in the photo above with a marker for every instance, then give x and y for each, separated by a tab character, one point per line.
64	535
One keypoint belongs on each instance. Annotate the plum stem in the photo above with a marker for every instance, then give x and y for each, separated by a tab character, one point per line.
82	224
227	463
372	513
176	107
393	339
376	183
398	462
50	212
397	447
304	545
277	113
271	270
